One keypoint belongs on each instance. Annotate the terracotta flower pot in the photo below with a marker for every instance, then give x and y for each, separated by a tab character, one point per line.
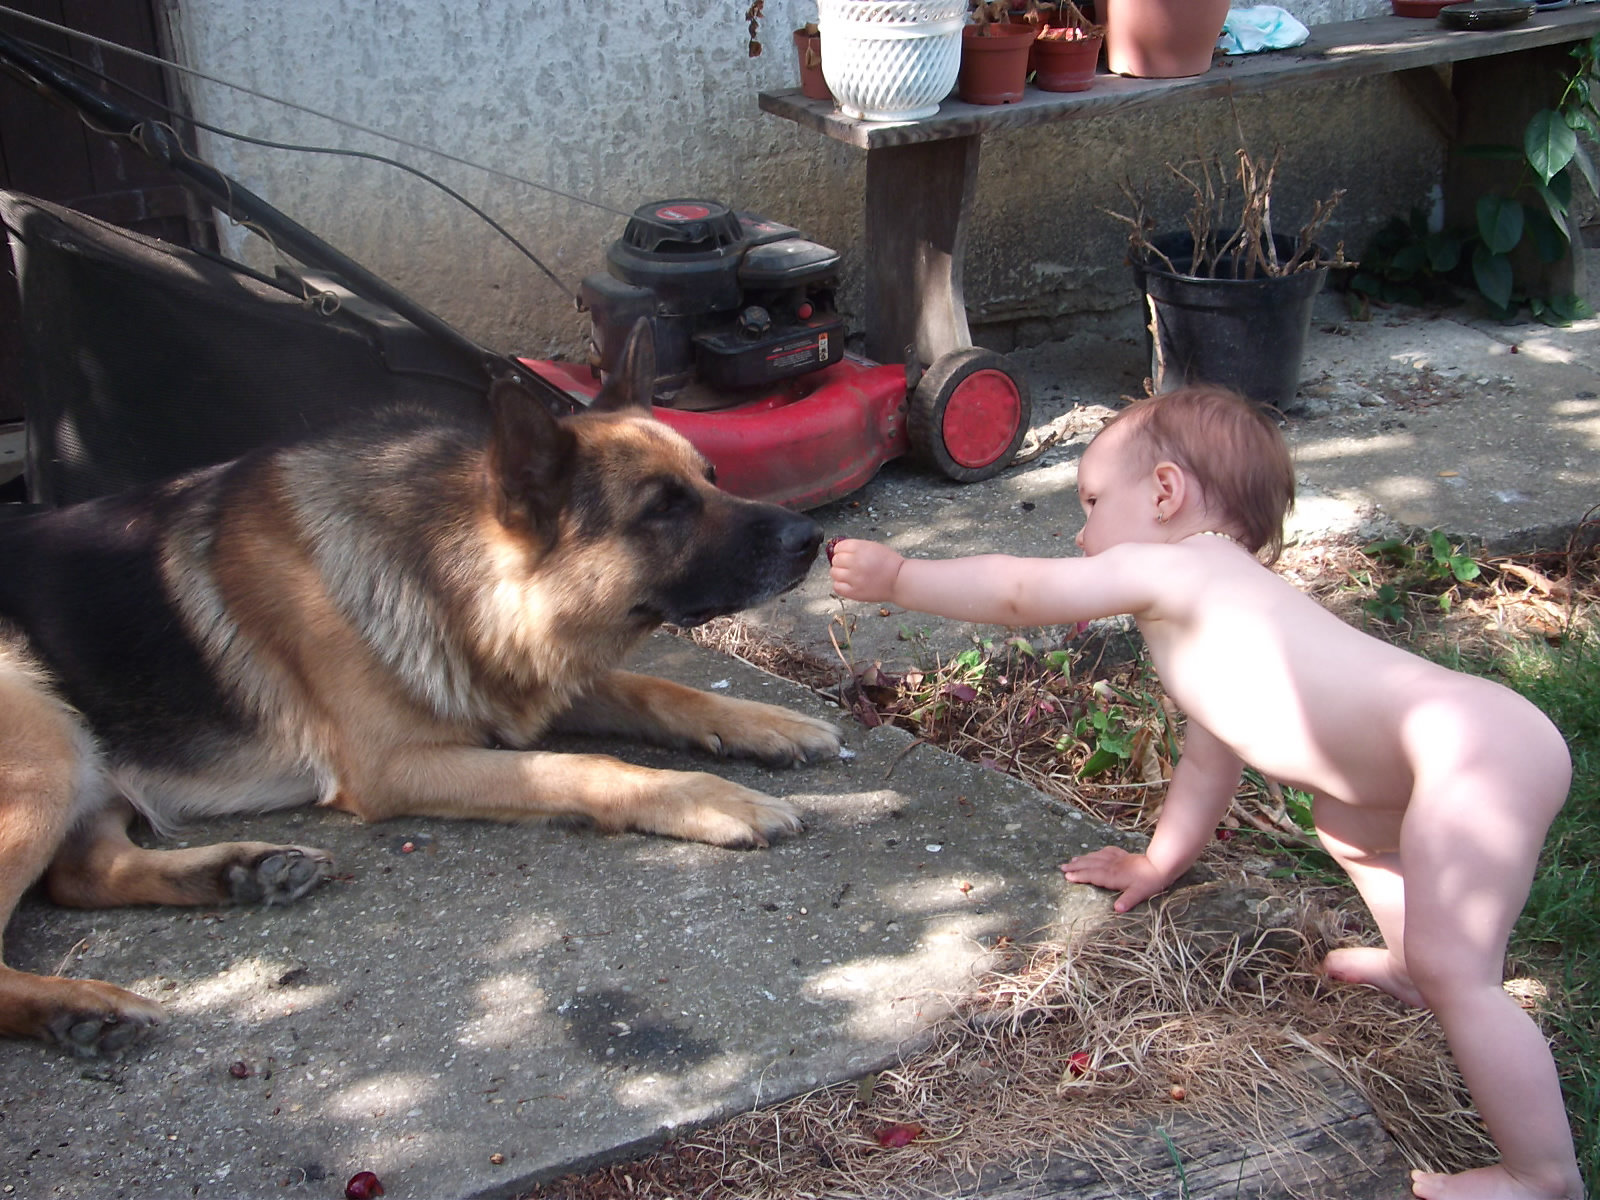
808	46
994	67
1162	39
1065	64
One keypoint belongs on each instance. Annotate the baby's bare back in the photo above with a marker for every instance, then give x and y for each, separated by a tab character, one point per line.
1303	697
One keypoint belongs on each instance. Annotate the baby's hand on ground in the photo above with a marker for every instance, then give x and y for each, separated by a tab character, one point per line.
1111	867
863	570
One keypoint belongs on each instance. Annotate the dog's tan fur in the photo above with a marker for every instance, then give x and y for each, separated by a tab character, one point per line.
389	684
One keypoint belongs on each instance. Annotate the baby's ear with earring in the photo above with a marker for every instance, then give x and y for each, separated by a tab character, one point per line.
1171	488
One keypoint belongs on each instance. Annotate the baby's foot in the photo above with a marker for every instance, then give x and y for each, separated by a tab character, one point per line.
1375	967
1486	1183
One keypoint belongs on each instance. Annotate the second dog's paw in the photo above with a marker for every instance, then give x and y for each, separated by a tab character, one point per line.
280	875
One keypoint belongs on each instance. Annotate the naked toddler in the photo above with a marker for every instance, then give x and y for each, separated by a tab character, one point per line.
1432	788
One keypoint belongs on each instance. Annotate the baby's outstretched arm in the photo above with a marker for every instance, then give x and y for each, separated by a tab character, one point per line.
1202	786
997	589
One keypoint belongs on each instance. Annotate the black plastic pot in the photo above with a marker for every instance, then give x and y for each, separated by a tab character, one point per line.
1246	334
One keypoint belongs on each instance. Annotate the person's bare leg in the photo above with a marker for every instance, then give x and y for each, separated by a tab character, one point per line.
1470	845
1366	844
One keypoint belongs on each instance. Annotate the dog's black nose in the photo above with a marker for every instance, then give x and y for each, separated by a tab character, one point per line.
799	535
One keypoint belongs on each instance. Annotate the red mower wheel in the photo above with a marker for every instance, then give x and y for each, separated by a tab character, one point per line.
969	414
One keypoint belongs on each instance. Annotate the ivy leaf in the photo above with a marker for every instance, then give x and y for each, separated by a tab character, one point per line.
1409	261
1549	144
1557	197
1492	272
1570	307
1499	223
1549	238
1585	164
1444	251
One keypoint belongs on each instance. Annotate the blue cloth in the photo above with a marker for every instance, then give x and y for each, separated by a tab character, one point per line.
1263	27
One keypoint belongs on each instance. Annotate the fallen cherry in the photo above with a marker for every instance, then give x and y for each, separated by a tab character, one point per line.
240	1070
833	544
363	1185
1177	1092
1078	1062
902	1134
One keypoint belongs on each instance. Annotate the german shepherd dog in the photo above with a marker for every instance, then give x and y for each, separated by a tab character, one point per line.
382	619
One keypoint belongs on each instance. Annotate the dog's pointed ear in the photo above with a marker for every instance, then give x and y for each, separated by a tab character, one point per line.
632	384
530	460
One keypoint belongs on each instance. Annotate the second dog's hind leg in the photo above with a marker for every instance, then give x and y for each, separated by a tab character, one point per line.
40	747
99	866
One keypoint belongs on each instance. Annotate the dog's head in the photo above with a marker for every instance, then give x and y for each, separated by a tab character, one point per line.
619	497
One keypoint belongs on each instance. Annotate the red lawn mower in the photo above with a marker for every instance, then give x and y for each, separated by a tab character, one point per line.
752	367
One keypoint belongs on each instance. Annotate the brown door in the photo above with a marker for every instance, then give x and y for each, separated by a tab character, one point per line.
48	152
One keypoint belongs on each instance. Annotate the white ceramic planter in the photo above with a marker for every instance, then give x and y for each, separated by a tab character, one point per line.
890	60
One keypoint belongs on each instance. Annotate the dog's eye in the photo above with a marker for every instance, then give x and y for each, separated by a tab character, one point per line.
671	501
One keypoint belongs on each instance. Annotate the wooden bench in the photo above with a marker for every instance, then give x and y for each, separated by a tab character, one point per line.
921	175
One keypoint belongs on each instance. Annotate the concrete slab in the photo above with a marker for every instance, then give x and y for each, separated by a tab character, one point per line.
540	994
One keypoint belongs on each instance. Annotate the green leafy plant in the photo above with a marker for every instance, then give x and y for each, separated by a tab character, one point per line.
1107	730
1535	210
1433	569
1406	263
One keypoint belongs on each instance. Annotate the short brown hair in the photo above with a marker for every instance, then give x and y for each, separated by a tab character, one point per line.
1232	448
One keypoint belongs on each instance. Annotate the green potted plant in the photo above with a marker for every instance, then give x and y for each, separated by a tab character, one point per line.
1228	298
1067	51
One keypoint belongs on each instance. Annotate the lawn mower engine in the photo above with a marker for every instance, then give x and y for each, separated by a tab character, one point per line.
751	364
735	301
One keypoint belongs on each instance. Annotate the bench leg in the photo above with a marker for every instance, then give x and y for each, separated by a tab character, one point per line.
1495	98
919	198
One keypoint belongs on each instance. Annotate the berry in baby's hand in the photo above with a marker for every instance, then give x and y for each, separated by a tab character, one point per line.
832	545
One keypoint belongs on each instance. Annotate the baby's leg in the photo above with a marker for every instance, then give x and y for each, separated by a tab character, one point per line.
1478	814
1366	843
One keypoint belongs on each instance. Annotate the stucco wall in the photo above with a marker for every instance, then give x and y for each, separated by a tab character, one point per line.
619	103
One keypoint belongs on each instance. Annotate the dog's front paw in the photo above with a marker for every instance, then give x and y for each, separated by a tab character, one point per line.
776	736
100	1020
705	808
277	875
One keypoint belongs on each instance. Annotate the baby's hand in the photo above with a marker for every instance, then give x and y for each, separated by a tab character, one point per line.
863	570
1114	868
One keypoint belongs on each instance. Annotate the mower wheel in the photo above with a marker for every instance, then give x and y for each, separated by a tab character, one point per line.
969	414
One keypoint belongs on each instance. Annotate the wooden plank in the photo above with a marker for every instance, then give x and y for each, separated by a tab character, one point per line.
1336	51
1431	94
1338	1151
918	198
